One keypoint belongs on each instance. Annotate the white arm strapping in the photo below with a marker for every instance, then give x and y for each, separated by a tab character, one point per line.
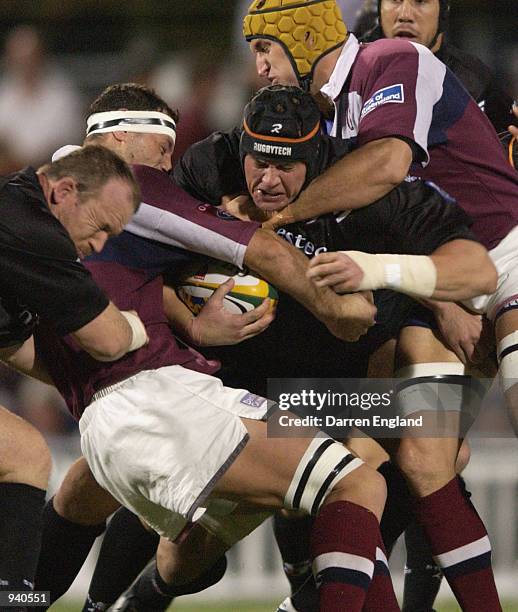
138	330
415	275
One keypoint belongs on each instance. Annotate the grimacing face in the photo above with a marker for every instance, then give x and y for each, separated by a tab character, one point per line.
414	20
97	217
153	150
272	63
273	184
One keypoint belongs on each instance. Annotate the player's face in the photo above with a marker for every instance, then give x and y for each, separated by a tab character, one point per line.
153	150
415	20
273	184
92	220
272	63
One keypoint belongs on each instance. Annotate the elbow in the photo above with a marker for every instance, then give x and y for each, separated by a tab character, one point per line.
396	159
109	349
396	174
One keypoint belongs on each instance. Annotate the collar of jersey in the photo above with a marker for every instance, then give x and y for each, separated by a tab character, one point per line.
343	66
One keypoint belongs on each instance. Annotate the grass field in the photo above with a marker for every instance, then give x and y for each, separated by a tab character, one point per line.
251	607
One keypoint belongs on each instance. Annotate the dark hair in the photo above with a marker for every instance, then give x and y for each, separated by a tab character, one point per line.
92	167
131	96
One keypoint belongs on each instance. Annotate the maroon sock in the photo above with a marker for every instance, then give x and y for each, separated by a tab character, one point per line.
381	596
460	546
343	549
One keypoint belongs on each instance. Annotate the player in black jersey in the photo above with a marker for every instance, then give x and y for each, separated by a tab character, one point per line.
49	219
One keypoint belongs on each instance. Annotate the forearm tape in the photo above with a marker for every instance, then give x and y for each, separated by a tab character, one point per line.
138	330
415	275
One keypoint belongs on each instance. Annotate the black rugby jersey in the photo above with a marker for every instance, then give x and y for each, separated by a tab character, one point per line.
414	218
39	266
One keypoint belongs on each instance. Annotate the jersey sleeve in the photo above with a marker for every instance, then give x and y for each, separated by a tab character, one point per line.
423	217
54	285
170	216
402	84
211	168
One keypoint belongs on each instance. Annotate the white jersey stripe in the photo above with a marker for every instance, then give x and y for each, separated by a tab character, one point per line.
160	225
428	91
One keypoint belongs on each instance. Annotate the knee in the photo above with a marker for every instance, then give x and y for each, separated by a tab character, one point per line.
25	456
365	487
425	465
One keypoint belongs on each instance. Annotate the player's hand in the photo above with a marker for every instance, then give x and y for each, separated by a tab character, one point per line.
461	331
279	219
354	314
216	326
242	207
335	270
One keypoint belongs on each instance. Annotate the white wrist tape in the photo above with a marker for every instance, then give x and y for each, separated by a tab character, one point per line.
415	275
137	328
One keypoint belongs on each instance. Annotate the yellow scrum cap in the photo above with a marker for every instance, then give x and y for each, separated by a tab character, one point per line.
307	29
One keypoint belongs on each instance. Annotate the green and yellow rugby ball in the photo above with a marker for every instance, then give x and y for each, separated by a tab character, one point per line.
249	291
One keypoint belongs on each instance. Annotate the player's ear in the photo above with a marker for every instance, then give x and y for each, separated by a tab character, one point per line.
63	189
120	136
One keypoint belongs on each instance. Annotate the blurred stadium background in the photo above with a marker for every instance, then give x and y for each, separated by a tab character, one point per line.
56	55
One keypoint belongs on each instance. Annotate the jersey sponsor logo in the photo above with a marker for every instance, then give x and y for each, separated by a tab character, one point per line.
267	149
276	128
392	94
251	399
300	241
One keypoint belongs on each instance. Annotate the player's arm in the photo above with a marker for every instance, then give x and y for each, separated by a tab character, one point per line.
356	180
24	359
348	317
111	334
457	270
53	283
214	325
389	135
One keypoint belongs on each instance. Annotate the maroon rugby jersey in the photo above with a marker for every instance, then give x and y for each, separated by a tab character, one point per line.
398	88
129	270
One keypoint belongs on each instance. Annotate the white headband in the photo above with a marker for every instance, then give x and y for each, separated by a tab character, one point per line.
131	121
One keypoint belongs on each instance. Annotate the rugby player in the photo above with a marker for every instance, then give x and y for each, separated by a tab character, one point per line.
427	23
382	109
49	217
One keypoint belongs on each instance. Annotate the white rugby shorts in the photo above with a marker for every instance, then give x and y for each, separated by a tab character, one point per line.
160	440
505	258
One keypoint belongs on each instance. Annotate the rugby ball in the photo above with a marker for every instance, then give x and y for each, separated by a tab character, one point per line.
249	291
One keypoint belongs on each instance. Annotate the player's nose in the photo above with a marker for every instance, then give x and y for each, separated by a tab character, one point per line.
406	11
